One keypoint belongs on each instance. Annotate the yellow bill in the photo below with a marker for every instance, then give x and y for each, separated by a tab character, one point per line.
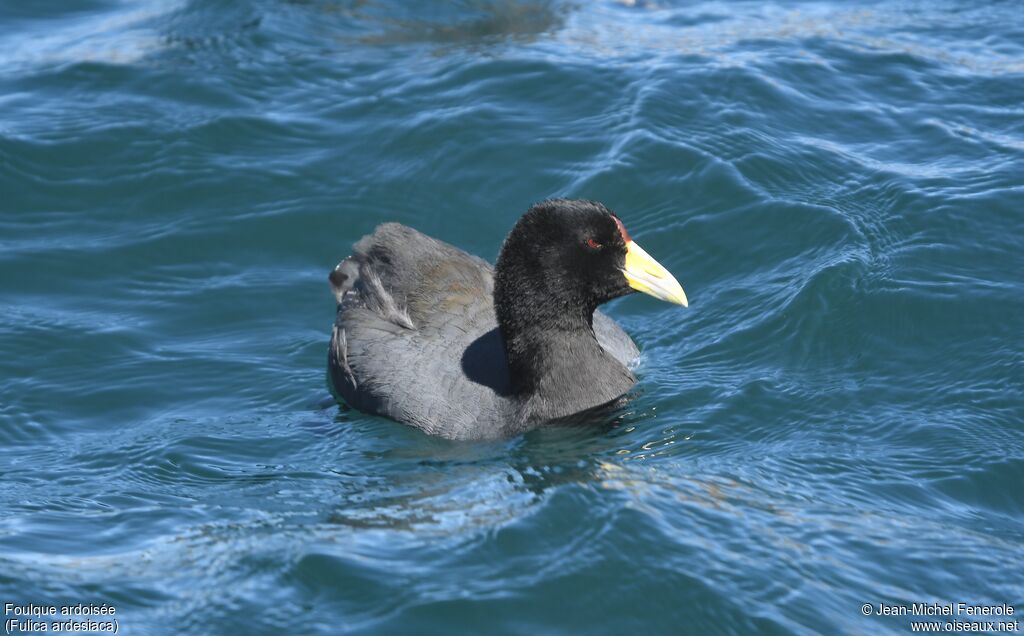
646	275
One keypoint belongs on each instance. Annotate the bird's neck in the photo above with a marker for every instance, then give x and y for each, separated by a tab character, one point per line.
556	365
538	351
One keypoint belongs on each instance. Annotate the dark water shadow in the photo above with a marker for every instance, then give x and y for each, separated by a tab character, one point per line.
466	23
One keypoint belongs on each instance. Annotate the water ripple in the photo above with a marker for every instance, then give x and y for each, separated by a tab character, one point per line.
835	419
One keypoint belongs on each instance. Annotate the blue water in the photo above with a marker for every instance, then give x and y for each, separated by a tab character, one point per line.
837	419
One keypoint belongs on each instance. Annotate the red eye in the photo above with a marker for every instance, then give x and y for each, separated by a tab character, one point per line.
592	244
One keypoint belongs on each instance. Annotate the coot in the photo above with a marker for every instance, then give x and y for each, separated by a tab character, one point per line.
431	336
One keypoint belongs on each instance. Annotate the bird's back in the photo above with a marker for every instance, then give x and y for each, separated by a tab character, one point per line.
409	307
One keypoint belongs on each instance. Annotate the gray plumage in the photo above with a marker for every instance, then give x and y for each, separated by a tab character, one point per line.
416	340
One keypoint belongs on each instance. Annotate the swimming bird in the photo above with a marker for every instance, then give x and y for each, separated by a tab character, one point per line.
431	336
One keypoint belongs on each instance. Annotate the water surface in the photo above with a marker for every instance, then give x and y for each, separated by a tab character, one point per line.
836	420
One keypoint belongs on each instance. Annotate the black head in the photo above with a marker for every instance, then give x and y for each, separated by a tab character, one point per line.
563	258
